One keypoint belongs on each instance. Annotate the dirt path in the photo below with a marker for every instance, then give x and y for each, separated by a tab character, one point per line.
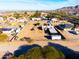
35	34
12	46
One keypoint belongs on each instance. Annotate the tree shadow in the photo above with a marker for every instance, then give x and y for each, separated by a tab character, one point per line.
23	49
70	54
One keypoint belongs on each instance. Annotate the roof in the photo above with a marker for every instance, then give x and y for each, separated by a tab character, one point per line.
66	25
5	29
52	30
74	21
54	19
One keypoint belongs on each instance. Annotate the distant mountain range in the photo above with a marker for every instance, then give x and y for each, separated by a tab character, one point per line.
70	9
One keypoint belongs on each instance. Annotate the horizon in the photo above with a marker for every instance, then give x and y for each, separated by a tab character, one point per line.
10	5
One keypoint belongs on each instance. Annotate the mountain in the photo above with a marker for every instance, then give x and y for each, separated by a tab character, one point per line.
71	9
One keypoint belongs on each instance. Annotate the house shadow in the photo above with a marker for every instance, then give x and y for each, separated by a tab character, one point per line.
23	49
70	54
48	37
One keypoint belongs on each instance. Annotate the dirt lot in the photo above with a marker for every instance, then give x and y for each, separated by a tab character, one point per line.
35	34
38	38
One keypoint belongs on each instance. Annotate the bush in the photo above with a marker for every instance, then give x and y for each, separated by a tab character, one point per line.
28	39
1	32
3	37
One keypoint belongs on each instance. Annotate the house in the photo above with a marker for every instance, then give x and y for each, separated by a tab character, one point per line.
54	34
51	31
77	14
65	27
56	37
44	14
77	29
6	30
1	19
36	19
21	20
54	20
11	19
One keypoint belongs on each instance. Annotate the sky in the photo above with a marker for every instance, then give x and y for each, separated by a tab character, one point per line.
36	4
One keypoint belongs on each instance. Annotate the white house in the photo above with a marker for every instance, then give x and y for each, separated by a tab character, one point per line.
77	14
1	19
22	20
52	30
54	20
11	19
6	30
54	34
56	37
36	19
77	30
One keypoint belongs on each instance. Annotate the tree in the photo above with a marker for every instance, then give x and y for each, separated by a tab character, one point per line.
52	53
16	15
36	14
3	37
53	15
25	13
47	52
28	39
34	53
1	31
21	57
13	57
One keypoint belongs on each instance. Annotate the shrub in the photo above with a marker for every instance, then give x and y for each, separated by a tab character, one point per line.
1	32
28	39
3	37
